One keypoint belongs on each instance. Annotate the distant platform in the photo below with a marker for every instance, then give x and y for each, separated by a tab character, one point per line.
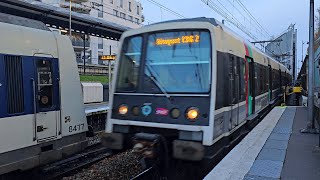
274	149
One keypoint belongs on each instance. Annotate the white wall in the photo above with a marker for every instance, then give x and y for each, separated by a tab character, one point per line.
108	15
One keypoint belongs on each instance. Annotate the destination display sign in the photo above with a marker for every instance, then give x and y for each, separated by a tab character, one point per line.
177	40
107	57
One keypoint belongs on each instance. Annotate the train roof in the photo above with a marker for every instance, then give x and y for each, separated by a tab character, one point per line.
274	64
199	19
27	37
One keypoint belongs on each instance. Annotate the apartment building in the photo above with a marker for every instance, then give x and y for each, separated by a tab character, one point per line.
124	12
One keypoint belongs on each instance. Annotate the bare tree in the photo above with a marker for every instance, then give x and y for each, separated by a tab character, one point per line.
317	21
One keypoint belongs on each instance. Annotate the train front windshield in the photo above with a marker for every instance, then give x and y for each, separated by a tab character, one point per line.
168	62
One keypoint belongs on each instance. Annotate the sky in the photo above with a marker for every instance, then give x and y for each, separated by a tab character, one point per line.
274	16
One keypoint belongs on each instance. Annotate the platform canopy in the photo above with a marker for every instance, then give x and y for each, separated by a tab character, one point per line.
58	17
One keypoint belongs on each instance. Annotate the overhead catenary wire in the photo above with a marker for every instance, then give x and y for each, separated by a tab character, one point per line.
250	15
222	10
234	21
166	9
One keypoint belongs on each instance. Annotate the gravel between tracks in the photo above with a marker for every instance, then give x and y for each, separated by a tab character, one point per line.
122	166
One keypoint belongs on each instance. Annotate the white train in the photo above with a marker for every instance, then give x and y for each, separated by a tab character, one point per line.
42	117
192	81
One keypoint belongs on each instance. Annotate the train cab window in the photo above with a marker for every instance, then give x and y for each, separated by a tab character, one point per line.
129	65
45	85
178	61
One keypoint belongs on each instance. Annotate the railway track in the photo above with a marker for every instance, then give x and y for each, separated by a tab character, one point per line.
73	164
101	163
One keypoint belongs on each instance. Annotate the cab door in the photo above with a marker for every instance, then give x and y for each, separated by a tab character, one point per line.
46	98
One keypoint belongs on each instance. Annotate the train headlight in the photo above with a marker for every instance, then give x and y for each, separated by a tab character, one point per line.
123	109
192	113
175	113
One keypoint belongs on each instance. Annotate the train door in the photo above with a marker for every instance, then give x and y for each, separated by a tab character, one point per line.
234	90
46	98
251	93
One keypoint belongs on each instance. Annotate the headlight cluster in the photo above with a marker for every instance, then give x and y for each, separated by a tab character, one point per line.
191	113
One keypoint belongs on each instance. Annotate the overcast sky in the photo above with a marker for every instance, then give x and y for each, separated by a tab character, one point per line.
274	15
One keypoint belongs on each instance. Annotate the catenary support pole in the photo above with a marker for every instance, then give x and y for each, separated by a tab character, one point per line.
84	53
311	121
70	13
310	66
109	74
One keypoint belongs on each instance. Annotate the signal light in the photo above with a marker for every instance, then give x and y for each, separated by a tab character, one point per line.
135	110
175	113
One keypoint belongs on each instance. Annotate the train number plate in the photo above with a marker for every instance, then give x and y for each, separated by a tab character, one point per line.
94	140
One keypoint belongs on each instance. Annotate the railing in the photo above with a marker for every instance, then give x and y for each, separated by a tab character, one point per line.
76	7
79	43
94	69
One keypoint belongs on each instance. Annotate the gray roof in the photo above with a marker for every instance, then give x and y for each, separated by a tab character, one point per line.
59	17
199	19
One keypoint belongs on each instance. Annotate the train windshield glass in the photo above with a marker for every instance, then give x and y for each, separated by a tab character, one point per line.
129	65
178	62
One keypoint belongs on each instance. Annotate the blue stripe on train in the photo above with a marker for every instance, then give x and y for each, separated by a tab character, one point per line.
29	72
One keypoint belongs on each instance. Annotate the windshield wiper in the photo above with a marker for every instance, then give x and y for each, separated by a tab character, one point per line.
154	79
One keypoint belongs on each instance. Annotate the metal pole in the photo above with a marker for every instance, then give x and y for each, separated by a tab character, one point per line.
84	53
109	69
109	75
70	18
311	121
310	66
302	53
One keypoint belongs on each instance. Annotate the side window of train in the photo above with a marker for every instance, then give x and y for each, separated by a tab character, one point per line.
266	82
257	78
242	80
45	84
231	79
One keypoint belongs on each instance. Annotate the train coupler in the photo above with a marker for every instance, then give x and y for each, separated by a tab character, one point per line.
154	149
147	144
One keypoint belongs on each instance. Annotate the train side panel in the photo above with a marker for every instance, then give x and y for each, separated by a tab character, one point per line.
32	133
73	117
17	131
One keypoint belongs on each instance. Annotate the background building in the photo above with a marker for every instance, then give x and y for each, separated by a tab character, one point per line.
124	12
284	49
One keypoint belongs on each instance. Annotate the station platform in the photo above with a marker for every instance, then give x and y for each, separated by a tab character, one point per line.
274	149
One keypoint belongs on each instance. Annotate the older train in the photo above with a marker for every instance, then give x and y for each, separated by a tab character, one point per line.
42	116
192	81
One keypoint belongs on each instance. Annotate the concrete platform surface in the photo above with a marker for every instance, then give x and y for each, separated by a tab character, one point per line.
301	162
240	159
274	149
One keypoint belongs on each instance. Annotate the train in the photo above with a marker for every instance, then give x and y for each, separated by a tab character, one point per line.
193	82
42	114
